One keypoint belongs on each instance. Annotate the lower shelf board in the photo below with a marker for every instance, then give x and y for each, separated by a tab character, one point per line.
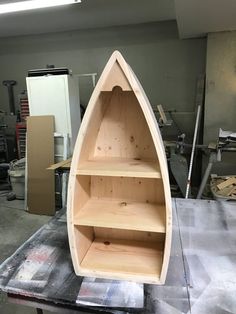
124	259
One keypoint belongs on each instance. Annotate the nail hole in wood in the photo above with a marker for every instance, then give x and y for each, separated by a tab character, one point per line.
131	139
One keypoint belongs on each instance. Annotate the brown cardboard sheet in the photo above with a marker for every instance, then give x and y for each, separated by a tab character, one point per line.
40	155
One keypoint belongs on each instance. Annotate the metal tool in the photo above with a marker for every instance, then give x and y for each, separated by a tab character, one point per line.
200	108
9	84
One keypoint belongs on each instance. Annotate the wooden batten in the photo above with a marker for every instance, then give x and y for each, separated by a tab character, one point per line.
119	204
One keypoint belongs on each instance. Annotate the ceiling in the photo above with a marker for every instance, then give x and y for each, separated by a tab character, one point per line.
195	18
198	17
87	14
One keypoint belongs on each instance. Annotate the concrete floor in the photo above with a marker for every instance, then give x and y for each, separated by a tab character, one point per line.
16	226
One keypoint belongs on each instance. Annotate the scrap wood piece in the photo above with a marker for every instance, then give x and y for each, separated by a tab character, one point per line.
212	145
230	181
68	164
233	191
226	191
59	164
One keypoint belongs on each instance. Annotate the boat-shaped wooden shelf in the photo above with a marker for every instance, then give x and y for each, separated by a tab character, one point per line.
119	204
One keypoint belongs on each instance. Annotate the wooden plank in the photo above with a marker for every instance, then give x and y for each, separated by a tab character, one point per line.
226	191
126	167
122	214
67	165
125	234
124	259
123	130
143	190
60	164
84	238
233	191
162	113
226	183
40	155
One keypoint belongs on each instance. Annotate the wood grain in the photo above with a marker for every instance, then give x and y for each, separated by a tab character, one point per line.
120	154
133	235
226	183
144	190
62	164
124	259
122	214
126	167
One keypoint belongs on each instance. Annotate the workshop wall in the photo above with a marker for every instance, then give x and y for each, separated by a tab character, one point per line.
220	102
166	66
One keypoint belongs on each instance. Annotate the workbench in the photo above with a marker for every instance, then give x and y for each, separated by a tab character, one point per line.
201	277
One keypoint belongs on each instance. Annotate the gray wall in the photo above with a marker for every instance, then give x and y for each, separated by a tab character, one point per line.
220	102
166	66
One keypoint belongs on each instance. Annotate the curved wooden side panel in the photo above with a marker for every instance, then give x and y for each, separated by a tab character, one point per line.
160	150
119	174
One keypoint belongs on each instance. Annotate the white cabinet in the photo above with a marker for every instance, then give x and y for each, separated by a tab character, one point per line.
56	95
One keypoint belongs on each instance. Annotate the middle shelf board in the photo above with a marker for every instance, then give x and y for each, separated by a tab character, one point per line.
122	214
124	167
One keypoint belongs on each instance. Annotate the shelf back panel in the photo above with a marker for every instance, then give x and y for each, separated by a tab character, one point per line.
118	128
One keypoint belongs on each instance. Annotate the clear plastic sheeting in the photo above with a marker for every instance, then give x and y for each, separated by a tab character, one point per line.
208	235
111	293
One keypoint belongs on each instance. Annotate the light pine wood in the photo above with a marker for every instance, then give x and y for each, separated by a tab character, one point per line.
226	183
115	78
119	186
123	259
64	163
84	239
122	214
133	235
123	131
82	188
142	190
137	189
126	167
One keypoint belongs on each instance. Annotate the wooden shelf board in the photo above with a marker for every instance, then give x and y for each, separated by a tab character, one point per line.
126	259
122	214
122	167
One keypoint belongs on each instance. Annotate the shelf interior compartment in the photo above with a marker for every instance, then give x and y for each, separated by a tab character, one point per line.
122	252
118	129
119	202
